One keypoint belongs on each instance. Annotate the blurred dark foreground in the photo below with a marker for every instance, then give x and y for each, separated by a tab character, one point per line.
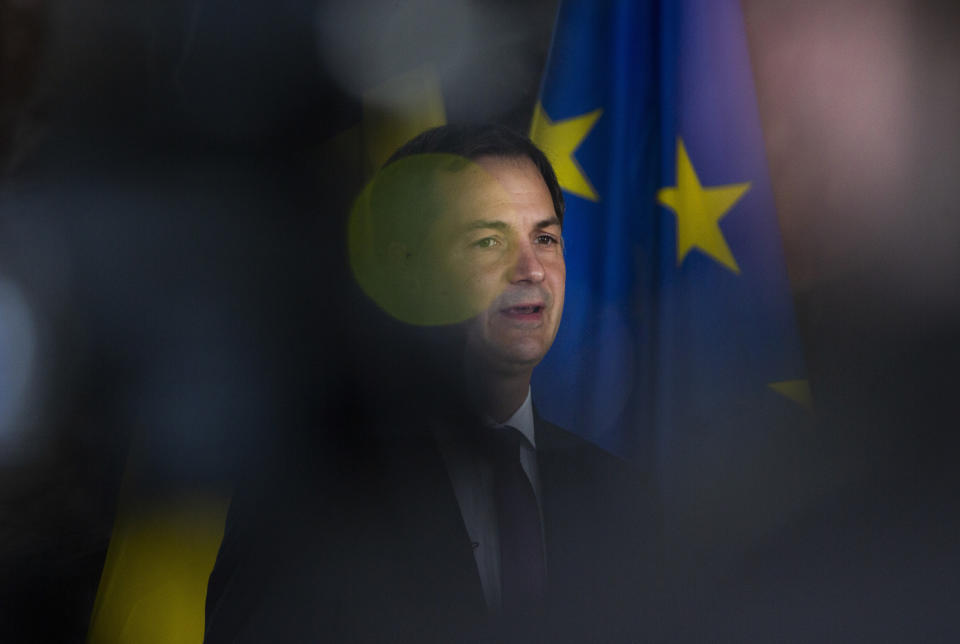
176	307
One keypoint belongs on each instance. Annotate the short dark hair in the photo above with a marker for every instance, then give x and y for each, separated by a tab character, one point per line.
483	140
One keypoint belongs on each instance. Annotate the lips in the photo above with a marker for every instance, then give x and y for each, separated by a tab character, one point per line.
526	311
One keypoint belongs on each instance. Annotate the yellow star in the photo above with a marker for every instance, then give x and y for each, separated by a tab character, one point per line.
559	141
699	211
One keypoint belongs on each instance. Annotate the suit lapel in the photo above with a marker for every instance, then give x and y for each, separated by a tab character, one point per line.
562	498
597	521
431	529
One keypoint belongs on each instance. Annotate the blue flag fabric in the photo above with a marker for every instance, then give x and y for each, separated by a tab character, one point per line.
678	345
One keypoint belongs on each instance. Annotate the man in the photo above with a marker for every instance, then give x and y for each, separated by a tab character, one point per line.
446	509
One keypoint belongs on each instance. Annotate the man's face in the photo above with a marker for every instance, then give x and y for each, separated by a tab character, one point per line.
504	247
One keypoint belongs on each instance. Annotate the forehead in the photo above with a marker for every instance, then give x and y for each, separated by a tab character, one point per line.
509	190
519	178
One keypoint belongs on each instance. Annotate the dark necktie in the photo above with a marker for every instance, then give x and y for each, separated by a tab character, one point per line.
522	563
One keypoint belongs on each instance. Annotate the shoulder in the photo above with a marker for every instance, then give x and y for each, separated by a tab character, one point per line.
555	441
603	525
581	466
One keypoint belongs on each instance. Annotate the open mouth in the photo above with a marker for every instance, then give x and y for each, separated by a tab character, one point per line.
522	311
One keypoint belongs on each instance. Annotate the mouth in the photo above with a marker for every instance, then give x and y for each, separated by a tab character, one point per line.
524	312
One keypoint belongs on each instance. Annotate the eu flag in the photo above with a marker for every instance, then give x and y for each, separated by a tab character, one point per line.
678	346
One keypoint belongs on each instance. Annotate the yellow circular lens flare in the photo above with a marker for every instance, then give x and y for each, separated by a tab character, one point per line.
415	238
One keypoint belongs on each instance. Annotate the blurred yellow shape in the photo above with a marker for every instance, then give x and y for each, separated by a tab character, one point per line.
154	582
796	390
416	239
399	109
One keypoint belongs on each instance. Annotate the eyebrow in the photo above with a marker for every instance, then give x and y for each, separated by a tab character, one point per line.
485	223
502	225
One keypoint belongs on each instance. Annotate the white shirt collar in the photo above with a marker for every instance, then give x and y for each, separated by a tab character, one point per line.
522	420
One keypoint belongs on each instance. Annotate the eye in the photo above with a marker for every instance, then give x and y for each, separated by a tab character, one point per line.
487	242
545	239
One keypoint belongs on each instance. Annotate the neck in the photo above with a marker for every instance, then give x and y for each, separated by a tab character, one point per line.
497	394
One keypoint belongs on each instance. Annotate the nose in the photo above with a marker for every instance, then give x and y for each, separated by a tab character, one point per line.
527	266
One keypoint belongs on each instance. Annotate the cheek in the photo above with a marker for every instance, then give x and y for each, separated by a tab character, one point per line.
558	278
559	284
478	284
487	275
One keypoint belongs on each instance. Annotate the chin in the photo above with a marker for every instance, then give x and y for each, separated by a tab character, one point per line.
506	349
522	356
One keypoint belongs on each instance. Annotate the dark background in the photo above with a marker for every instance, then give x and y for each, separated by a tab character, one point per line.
172	277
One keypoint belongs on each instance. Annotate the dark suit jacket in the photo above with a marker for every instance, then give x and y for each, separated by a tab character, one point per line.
373	549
